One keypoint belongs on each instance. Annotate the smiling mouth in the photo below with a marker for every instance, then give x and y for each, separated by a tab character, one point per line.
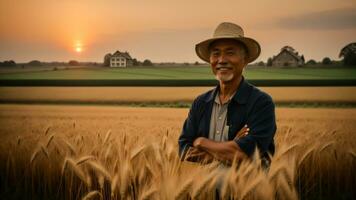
223	68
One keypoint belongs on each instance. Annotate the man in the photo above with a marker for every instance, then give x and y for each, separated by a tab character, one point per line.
232	120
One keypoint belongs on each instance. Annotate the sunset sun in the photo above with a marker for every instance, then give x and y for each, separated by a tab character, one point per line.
78	49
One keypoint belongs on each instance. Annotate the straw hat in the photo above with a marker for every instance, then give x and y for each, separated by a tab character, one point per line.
228	30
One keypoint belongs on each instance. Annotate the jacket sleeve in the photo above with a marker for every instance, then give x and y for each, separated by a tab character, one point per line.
262	124
189	130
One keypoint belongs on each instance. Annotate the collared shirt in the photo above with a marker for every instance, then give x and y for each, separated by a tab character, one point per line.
218	124
249	106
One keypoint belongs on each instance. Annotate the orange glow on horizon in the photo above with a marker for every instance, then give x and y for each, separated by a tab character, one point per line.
78	47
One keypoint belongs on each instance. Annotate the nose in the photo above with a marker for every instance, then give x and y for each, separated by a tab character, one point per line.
222	59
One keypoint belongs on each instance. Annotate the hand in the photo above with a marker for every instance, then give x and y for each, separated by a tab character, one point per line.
242	133
196	155
197	142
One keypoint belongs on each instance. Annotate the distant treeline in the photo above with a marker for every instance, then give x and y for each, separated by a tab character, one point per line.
172	82
37	63
312	63
349	59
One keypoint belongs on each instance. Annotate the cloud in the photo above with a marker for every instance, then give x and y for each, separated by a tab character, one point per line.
335	19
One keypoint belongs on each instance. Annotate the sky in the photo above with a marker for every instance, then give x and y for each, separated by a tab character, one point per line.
167	30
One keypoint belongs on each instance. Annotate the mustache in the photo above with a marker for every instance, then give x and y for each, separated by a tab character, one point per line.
219	66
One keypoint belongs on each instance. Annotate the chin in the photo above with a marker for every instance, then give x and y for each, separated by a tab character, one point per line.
224	78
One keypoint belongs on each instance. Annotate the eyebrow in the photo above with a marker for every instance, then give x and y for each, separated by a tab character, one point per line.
227	49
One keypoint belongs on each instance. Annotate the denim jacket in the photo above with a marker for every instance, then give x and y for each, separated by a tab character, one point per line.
248	106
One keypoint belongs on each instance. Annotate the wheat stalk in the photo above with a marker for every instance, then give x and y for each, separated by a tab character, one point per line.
99	168
114	183
19	140
64	166
136	152
148	194
184	189
45	151
352	153
84	159
125	178
49	140
76	169
326	146
47	130
107	136
285	151
70	147
34	155
252	185
305	155
199	189
92	194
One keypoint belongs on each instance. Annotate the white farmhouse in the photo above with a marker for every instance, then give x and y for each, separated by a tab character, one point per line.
119	59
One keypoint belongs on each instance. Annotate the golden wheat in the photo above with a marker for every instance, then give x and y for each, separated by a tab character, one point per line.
132	163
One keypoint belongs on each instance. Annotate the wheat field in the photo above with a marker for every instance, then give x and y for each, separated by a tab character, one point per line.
171	94
106	152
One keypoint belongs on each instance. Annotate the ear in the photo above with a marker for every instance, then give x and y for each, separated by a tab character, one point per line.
245	61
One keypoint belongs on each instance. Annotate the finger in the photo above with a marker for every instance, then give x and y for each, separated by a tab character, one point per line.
196	154
242	135
243	131
244	128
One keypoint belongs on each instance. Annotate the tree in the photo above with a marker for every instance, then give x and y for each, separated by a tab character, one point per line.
269	62
8	63
311	62
349	54
73	63
261	63
196	63
135	62
107	60
303	59
34	63
350	59
326	61
147	63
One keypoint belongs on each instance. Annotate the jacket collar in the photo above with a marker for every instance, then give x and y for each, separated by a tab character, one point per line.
241	95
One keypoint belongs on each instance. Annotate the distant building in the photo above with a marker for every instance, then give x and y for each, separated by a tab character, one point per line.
288	57
118	59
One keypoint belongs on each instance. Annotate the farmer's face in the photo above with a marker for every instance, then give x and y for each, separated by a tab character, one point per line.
227	59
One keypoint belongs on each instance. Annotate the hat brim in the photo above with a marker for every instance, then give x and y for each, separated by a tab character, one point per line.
253	48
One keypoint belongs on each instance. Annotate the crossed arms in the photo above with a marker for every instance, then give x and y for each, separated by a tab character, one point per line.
261	120
206	150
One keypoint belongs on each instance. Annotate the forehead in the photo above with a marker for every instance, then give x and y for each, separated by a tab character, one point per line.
224	44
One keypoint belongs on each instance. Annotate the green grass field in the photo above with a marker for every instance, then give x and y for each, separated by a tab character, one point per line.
190	73
175	76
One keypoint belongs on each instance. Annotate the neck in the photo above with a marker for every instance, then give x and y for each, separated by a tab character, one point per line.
228	88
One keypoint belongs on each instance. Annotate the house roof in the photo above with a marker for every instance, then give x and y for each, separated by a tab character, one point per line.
293	54
123	54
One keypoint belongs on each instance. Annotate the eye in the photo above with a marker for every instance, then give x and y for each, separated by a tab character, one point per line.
230	53
214	53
